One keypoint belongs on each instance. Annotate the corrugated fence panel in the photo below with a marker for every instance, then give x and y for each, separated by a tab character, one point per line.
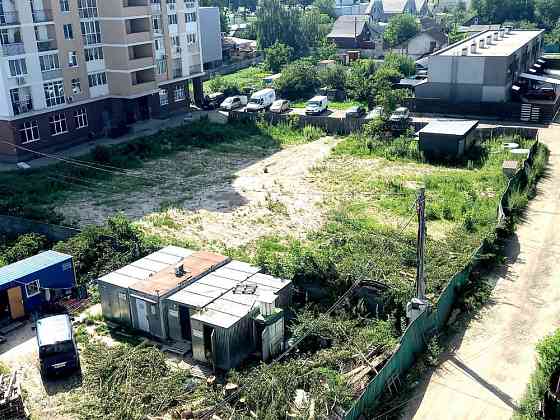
414	339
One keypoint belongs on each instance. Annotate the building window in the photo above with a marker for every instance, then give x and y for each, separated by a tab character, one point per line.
49	62
97	79
172	19
72	59
57	124
32	289
54	93
18	67
156	24
87	9
91	32
64	6
190	17
179	93
94	53
163	99
80	118
76	86
68	31
191	38
161	66
29	131
190	4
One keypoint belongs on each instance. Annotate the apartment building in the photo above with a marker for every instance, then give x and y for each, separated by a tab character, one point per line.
73	70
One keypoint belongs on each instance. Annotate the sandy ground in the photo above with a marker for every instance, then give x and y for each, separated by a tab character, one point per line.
486	374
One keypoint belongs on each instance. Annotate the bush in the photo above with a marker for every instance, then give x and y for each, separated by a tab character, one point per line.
400	28
24	247
299	80
277	56
333	77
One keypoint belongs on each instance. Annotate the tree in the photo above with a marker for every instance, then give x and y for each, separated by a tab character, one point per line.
24	247
400	28
277	56
326	7
299	80
326	50
499	11
360	81
333	77
547	12
224	20
403	63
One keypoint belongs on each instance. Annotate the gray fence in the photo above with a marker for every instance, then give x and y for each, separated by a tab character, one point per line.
12	226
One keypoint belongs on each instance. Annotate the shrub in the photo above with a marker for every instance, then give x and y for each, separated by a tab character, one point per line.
24	247
298	80
333	77
277	56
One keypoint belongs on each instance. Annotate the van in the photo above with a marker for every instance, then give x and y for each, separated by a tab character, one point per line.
58	351
233	102
261	100
317	105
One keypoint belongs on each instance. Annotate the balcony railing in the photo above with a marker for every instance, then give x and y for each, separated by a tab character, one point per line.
177	72
88	12
156	8
52	74
44	15
90	39
9	18
23	106
16	48
46	45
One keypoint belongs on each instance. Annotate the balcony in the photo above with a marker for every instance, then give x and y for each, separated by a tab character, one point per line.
44	15
177	72
16	48
88	12
156	8
91	39
195	69
22	106
52	74
9	18
46	45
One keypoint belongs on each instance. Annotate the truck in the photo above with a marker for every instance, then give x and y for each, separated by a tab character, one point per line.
317	105
261	100
58	352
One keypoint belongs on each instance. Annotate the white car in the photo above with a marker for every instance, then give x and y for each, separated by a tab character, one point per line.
280	106
233	102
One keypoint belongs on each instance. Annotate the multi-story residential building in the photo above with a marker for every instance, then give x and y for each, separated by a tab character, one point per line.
72	70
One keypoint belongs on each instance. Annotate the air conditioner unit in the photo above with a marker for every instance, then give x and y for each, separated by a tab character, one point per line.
20	80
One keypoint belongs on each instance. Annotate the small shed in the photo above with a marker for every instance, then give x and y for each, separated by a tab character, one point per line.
133	295
229	314
447	138
27	284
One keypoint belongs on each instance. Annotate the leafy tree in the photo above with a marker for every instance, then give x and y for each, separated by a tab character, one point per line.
499	11
325	7
333	77
298	80
277	56
360	81
326	50
547	12
553	37
24	247
402	62
224	20
400	28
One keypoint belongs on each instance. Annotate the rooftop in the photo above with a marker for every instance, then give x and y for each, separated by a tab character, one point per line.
449	127
23	268
505	47
348	26
54	329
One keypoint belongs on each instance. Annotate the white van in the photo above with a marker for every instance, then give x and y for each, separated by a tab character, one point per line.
261	100
233	102
317	105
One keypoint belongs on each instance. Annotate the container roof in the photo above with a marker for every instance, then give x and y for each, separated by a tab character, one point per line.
155	274
449	127
54	329
228	294
23	268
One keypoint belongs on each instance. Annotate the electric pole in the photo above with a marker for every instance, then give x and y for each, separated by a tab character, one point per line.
421	242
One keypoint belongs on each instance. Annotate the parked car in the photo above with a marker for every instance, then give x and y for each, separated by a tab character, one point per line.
58	351
233	102
355	112
317	105
377	112
261	100
548	94
213	101
400	115
279	106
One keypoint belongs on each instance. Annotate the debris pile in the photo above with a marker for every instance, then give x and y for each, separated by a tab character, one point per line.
11	400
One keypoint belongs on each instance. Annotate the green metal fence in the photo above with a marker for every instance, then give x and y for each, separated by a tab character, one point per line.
418	333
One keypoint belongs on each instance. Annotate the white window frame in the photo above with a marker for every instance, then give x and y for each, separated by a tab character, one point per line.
94	53
80	118
179	93
87	9
172	18
18	67
64	6
190	17
56	97
191	38
97	79
68	31
34	283
161	66
76	83
91	32
58	121
49	62
29	132
163	97
73	59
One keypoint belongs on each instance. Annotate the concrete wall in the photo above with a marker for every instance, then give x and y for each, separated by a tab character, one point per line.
10	225
211	36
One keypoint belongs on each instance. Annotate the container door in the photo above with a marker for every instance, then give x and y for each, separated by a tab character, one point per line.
265	337
142	310
16	303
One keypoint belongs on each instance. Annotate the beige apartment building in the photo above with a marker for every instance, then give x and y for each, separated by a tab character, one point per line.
73	70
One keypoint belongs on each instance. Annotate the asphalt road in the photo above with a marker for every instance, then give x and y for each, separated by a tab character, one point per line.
486	374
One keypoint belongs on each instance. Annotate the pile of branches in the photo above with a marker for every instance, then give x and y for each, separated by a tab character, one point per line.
126	382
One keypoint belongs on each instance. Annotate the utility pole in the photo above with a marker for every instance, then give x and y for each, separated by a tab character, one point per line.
418	303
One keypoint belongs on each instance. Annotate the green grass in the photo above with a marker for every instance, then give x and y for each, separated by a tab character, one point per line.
332	104
251	77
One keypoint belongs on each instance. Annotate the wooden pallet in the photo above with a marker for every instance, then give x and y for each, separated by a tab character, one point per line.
11	400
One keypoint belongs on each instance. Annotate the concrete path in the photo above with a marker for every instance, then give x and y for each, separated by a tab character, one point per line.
486	375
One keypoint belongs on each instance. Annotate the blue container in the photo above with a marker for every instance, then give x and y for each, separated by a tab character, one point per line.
27	284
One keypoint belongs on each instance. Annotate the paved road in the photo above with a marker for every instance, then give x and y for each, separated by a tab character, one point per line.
486	374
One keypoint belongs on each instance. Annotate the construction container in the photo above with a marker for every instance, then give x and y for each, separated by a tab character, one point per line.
28	284
447	138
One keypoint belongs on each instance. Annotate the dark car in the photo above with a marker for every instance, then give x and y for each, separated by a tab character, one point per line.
548	94
58	352
213	101
355	112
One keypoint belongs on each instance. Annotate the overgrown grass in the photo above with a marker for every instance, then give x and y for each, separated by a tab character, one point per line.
249	78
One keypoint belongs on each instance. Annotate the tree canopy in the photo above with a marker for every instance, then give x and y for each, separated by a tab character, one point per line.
400	28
